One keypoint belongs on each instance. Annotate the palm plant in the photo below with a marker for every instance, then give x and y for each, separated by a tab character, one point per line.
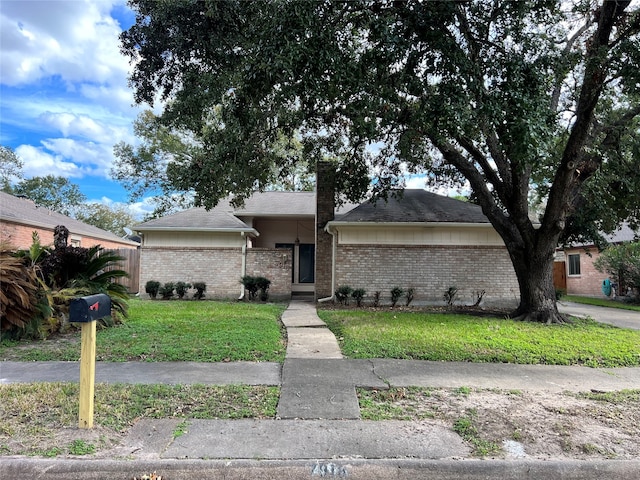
99	275
18	291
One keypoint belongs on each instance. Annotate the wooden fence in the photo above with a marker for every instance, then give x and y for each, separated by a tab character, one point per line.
131	265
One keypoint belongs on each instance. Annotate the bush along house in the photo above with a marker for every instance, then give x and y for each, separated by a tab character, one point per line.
306	246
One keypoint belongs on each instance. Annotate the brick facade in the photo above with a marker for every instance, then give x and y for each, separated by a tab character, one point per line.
220	268
589	281
430	270
274	264
20	237
325	207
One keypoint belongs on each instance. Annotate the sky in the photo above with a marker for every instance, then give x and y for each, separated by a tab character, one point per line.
64	97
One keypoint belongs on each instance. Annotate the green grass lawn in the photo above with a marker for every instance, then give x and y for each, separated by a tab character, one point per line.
163	331
600	302
449	337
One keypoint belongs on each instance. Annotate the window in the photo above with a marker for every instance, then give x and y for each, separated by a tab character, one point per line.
574	264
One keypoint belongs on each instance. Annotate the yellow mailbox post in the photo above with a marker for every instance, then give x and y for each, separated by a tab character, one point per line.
86	310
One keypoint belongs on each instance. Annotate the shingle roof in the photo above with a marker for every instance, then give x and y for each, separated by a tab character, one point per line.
413	206
623	234
197	219
416	206
26	212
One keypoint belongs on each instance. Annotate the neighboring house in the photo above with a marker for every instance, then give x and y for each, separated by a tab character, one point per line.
421	240
576	262
20	217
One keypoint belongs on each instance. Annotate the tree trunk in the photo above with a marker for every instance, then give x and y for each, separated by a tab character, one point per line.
534	270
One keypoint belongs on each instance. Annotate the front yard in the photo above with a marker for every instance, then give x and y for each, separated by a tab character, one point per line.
39	419
164	331
468	338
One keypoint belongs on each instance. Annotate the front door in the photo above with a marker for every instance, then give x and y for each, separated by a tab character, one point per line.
303	274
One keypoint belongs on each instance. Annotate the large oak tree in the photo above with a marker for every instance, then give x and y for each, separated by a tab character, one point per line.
505	96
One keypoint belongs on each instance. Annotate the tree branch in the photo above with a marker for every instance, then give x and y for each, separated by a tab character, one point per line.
596	60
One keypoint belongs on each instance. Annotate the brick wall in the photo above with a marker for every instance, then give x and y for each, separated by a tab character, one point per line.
325	207
219	268
589	282
430	270
274	264
20	236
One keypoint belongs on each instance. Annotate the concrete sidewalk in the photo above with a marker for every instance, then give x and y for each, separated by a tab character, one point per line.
318	431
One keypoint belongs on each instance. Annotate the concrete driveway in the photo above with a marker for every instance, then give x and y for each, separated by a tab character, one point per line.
613	316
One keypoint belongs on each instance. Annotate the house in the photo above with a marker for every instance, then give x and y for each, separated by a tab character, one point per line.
20	217
574	265
304	245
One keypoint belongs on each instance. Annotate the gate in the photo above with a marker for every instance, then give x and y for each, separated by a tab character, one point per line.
560	276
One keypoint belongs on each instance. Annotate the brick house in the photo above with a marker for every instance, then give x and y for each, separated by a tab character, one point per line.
20	217
576	262
305	245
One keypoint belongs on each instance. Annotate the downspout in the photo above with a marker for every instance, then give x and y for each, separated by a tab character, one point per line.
243	267
334	249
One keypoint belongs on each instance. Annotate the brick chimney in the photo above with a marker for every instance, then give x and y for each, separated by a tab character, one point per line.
325	207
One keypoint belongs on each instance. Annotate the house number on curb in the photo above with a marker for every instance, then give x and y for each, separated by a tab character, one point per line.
329	470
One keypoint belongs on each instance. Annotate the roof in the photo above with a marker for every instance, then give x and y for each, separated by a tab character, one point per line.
415	206
197	219
25	212
623	234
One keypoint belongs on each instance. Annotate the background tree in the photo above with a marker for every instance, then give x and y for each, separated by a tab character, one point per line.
151	167
622	263
10	168
55	193
112	219
503	95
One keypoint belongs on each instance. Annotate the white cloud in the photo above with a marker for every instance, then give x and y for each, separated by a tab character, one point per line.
39	162
75	40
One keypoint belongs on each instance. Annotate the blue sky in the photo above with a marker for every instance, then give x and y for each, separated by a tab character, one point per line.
64	99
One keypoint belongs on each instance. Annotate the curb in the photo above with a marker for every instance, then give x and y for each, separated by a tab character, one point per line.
356	469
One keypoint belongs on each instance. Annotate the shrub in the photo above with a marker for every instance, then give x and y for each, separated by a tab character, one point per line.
250	283
200	287
410	293
166	291
263	285
376	298
181	289
622	263
151	288
18	291
65	273
342	294
450	296
358	294
396	293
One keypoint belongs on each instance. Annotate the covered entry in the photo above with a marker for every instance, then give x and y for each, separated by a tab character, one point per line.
303	265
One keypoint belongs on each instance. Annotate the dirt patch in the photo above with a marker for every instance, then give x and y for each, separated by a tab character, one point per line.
534	425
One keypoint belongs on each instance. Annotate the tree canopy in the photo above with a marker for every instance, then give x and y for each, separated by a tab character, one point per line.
10	167
505	96
53	192
150	166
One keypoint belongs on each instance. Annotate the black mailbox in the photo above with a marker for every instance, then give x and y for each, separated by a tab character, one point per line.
89	309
